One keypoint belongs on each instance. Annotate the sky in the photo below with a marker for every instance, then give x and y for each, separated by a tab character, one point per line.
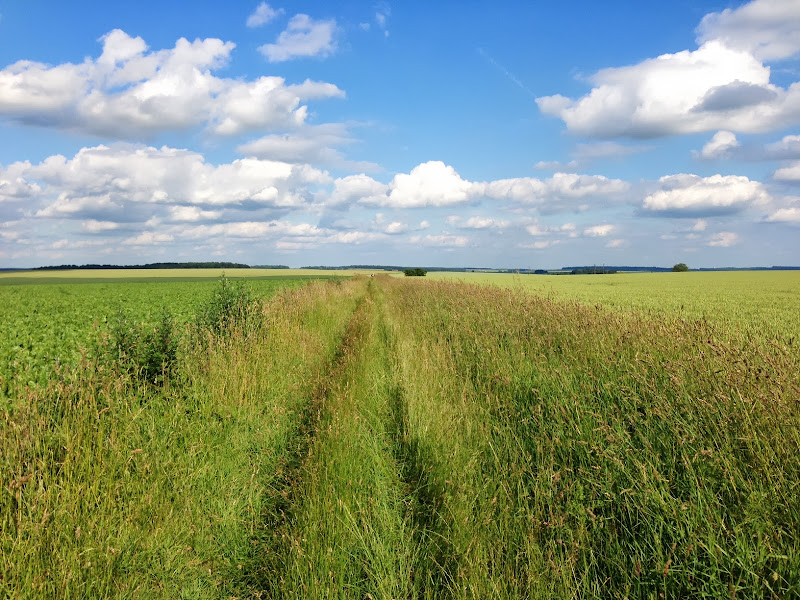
463	134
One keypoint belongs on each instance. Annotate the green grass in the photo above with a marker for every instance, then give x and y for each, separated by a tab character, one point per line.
393	438
763	301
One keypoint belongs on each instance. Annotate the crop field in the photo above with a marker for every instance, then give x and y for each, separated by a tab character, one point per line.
620	436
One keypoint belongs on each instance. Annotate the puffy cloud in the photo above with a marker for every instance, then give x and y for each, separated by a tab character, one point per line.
191	214
723	84
787	147
358	188
693	196
768	29
599	230
713	87
484	223
720	145
562	192
303	37
262	15
428	184
724	239
790	173
106	180
95	226
786	215
134	93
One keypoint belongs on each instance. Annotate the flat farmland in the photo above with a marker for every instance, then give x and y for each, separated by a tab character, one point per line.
767	301
620	436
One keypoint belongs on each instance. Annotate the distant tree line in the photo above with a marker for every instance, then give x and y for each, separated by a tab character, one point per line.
165	265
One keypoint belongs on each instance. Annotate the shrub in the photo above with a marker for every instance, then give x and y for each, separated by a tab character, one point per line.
680	268
148	352
230	304
415	272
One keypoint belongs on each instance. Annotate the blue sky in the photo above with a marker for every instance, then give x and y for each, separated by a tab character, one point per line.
504	134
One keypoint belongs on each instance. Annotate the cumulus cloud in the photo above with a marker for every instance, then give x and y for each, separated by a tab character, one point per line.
723	84
785	215
720	145
303	37
262	15
484	223
428	184
790	173
723	239
358	188
134	93
686	195
562	192
768	29
599	230
105	180
787	147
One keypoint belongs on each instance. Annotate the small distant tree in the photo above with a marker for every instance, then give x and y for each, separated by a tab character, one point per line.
415	272
680	268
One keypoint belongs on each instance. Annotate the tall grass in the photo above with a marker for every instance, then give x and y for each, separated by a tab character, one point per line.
579	452
389	438
112	487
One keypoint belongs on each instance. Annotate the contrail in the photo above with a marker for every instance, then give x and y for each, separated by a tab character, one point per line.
507	73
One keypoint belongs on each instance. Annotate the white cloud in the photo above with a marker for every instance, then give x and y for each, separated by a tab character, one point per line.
713	87
105	180
790	173
562	192
131	92
700	225
262	15
445	239
724	239
191	214
691	195
358	188
148	238
720	145
723	84
787	147
484	223
599	230
616	243
428	184
303	37
768	29
95	226
785	215
555	165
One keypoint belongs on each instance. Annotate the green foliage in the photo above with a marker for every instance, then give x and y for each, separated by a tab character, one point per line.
417	272
680	268
148	352
230	305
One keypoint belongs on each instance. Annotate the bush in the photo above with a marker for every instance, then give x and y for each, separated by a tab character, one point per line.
680	268
415	272
147	352
230	304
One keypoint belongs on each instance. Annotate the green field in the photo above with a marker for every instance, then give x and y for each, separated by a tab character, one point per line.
624	436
